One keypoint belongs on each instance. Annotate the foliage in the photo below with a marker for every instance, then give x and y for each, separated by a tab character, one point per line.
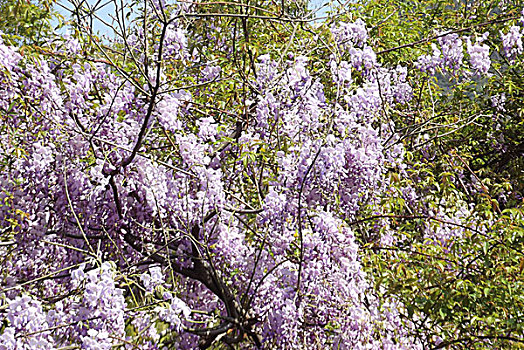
241	175
25	22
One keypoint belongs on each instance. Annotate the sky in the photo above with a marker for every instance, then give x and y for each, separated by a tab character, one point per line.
105	8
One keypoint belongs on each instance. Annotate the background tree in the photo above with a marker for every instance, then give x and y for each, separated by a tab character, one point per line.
458	259
26	22
242	175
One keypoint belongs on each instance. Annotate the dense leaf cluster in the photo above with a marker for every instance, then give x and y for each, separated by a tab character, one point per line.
244	175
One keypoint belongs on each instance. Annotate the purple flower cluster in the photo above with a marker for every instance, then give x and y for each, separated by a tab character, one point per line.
479	55
498	102
210	73
325	178
175	42
448	55
242	231
348	35
429	63
512	42
174	313
152	279
95	320
452	51
28	327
